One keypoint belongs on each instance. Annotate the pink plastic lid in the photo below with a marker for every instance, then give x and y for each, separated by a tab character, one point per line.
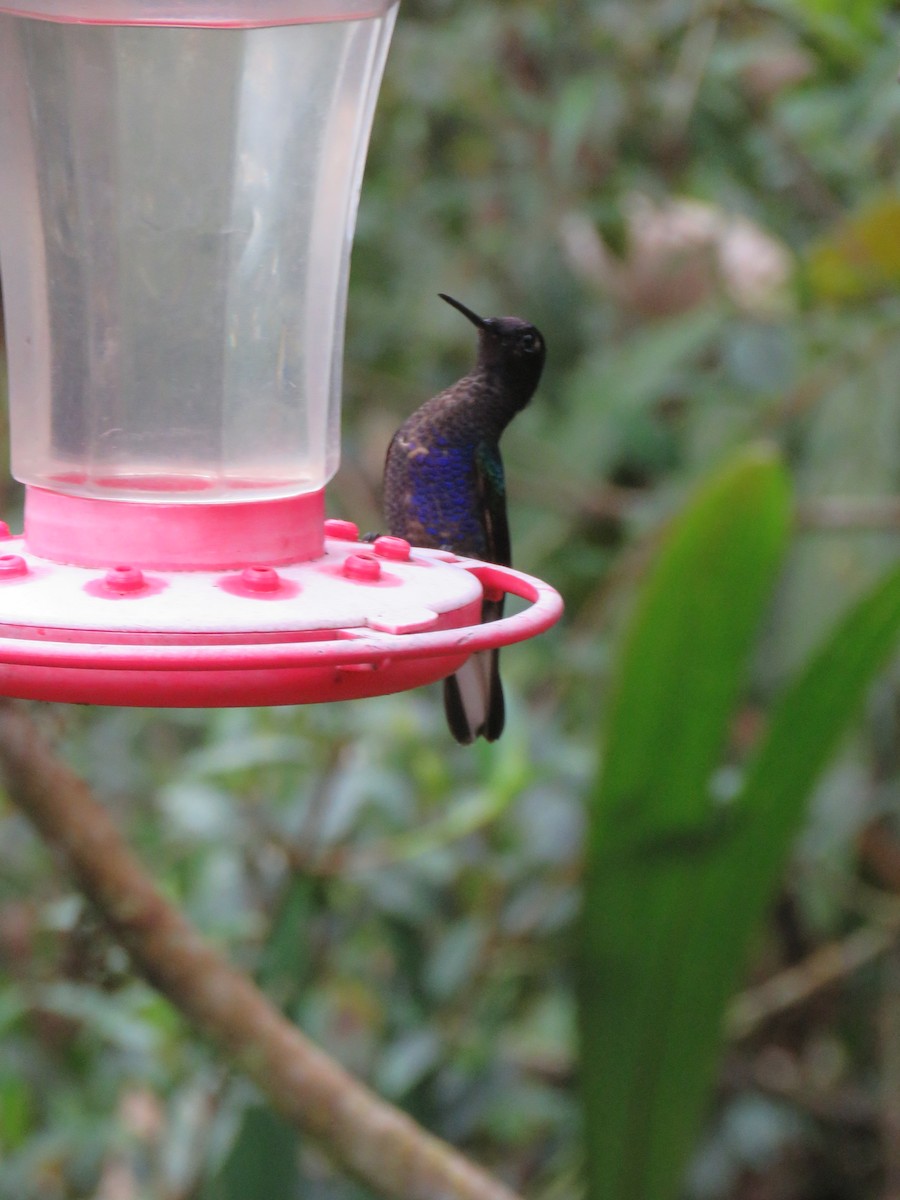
208	13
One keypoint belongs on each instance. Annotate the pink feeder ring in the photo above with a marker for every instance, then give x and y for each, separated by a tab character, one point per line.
301	668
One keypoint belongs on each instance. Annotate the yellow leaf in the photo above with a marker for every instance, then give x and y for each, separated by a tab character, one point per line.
860	257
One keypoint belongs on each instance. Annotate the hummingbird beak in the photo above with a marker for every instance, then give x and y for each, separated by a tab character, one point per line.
466	312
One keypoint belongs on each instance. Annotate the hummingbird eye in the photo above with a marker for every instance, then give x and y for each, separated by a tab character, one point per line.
529	341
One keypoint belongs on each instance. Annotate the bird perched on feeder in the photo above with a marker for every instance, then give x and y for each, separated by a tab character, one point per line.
444	488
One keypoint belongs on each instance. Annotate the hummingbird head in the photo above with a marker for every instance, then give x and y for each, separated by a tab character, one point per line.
512	348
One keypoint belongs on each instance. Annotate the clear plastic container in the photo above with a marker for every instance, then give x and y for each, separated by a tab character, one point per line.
176	212
221	14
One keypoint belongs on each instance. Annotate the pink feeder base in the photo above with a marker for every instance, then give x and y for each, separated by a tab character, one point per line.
86	532
357	620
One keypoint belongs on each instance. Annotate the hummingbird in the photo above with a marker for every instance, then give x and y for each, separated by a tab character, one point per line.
444	488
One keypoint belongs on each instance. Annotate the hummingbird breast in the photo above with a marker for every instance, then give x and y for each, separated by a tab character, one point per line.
432	493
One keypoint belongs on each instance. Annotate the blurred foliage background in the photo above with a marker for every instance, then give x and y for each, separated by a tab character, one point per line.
698	202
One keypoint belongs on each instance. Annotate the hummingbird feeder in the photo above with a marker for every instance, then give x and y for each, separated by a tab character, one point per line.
178	190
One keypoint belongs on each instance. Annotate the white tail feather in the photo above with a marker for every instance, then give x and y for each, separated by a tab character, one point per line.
474	682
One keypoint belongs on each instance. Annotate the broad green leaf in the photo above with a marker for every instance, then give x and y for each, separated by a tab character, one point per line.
652	822
727	892
684	655
669	919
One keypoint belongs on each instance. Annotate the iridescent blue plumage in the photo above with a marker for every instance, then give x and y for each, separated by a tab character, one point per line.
441	486
444	487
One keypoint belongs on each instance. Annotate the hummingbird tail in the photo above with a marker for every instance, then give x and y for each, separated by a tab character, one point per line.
473	699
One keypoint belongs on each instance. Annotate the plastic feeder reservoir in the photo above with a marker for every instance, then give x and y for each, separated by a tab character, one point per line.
178	189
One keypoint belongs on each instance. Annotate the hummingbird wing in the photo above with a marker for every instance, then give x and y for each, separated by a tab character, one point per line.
491	488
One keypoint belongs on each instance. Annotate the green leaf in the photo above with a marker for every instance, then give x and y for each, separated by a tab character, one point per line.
806	725
677	882
16	1111
262	1160
843	20
285	959
684	655
652	820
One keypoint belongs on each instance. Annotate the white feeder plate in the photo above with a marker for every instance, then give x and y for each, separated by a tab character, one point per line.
360	620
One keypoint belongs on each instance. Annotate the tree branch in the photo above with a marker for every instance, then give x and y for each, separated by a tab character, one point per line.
367	1137
797	984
